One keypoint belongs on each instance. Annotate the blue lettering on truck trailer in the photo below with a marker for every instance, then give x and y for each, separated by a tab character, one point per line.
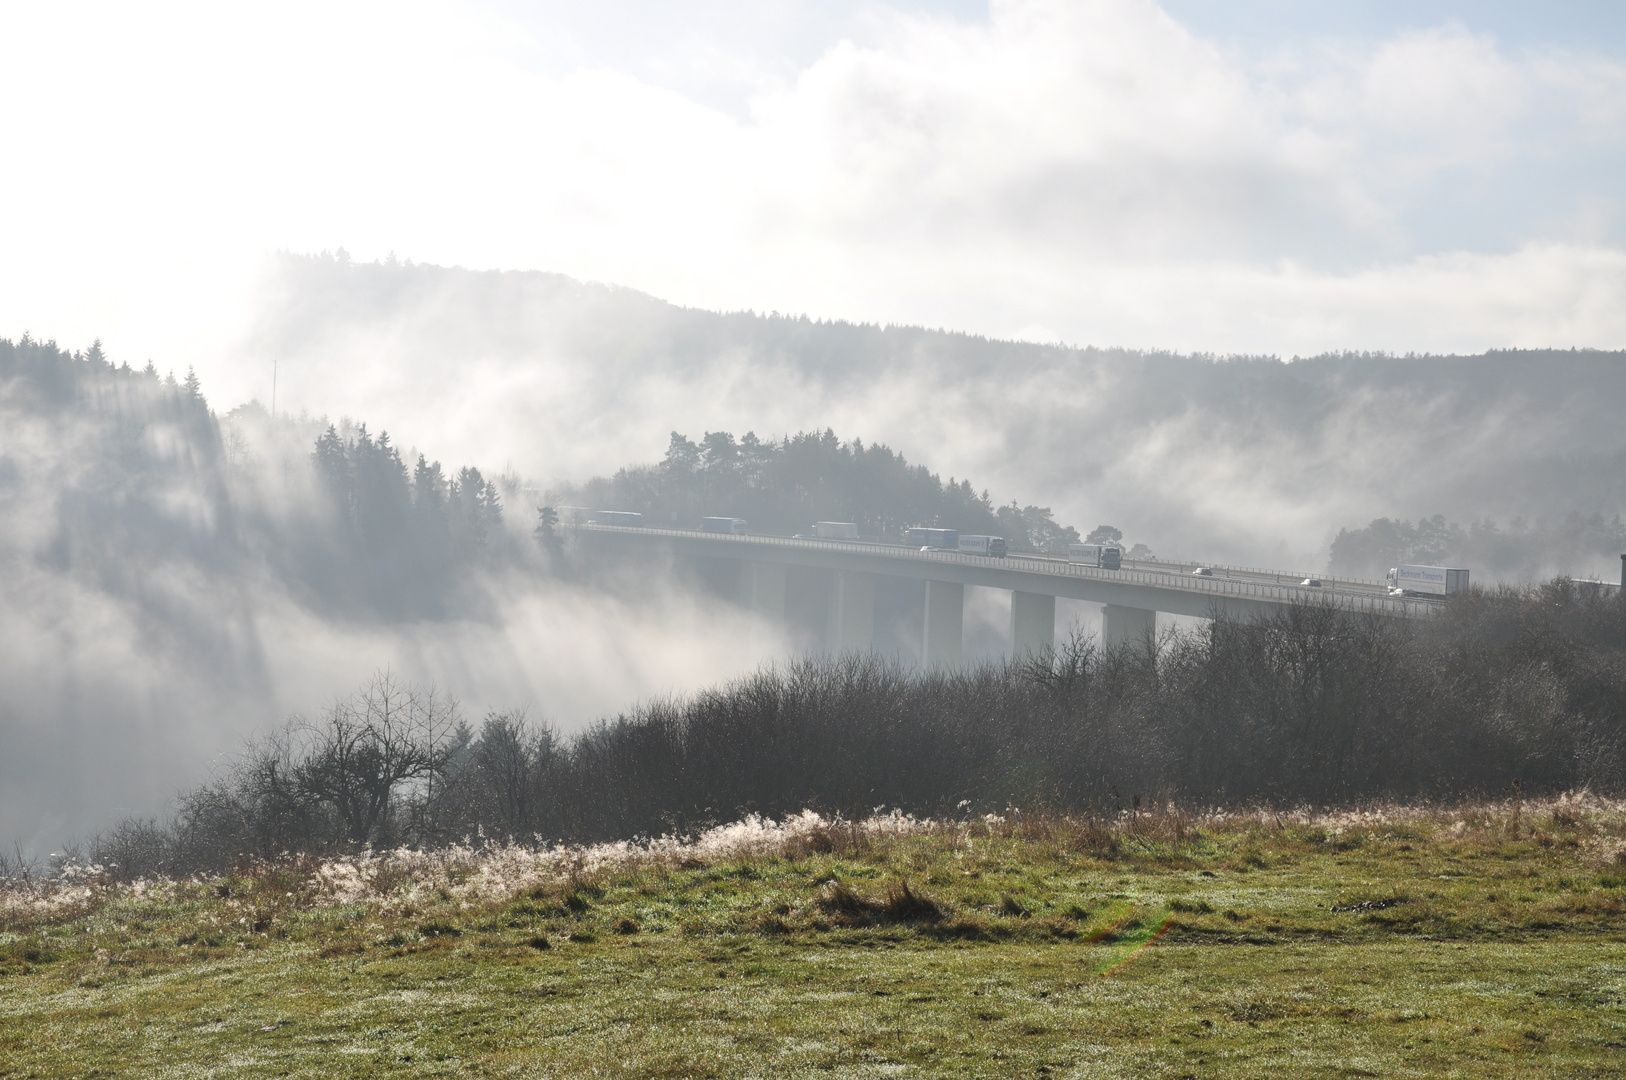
1429	580
1106	556
983	545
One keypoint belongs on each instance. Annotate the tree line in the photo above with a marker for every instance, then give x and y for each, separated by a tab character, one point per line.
140	474
1516	689
784	485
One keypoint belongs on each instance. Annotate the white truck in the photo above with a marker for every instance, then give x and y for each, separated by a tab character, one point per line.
1428	580
983	545
732	525
835	530
623	518
1106	556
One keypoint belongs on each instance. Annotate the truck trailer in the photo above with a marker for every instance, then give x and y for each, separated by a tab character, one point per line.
623	518
1429	580
983	545
732	525
1106	556
921	536
835	530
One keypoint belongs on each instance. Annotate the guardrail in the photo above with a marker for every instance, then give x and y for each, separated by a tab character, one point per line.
1294	574
1408	607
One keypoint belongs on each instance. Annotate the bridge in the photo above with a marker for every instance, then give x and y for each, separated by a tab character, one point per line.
845	575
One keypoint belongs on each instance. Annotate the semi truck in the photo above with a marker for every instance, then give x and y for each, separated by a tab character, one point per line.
623	518
1428	580
835	530
1106	556
732	525
921	536
983	545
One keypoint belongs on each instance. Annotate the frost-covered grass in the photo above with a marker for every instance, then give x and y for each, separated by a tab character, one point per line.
1480	940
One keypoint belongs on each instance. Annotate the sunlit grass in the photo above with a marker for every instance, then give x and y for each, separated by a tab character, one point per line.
1471	941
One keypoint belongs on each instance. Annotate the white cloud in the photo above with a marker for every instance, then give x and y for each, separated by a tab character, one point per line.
1093	168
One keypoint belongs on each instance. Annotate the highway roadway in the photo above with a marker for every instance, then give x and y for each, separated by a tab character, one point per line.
1153	586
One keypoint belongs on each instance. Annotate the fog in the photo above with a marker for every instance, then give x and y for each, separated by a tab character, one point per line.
1099	257
152	618
172	586
1250	460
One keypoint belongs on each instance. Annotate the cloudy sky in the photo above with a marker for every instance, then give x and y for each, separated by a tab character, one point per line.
1284	176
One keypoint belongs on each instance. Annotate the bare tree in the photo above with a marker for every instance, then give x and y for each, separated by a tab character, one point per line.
358	755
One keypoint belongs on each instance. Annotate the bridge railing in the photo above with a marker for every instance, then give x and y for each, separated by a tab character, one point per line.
1215	586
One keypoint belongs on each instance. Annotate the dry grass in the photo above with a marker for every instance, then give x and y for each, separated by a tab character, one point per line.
1482	939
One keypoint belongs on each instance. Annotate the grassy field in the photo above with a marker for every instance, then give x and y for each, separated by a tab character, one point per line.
1477	941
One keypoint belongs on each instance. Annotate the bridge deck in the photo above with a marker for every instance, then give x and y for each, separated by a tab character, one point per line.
1152	590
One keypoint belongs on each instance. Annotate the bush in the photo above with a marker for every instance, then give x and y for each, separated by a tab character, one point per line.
1313	705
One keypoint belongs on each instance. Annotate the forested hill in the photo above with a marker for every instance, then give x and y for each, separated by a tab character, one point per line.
109	475
783	486
172	580
1258	460
107	472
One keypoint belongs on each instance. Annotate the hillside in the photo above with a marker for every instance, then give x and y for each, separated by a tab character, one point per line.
1257	460
172	580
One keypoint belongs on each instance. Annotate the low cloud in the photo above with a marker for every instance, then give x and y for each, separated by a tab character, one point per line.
1096	169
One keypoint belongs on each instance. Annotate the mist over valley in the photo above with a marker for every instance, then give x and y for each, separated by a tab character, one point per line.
879	538
182	578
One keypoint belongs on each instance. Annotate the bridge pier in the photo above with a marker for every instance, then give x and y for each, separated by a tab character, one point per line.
943	625
1033	624
852	612
762	588
1127	626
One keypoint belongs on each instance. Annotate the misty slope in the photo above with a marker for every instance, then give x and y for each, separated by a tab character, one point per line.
169	583
1247	459
171	580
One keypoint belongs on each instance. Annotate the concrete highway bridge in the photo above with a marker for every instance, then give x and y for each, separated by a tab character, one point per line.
842	578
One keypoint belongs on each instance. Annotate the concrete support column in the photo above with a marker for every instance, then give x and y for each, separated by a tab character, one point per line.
1033	624
941	636
762	588
1127	626
852	612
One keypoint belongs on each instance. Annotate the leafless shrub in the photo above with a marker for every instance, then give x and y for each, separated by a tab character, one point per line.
1312	707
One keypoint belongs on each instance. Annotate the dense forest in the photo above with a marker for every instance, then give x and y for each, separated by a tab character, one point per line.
1505	692
111	468
783	486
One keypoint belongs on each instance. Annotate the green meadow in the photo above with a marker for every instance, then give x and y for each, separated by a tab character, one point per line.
1474	941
